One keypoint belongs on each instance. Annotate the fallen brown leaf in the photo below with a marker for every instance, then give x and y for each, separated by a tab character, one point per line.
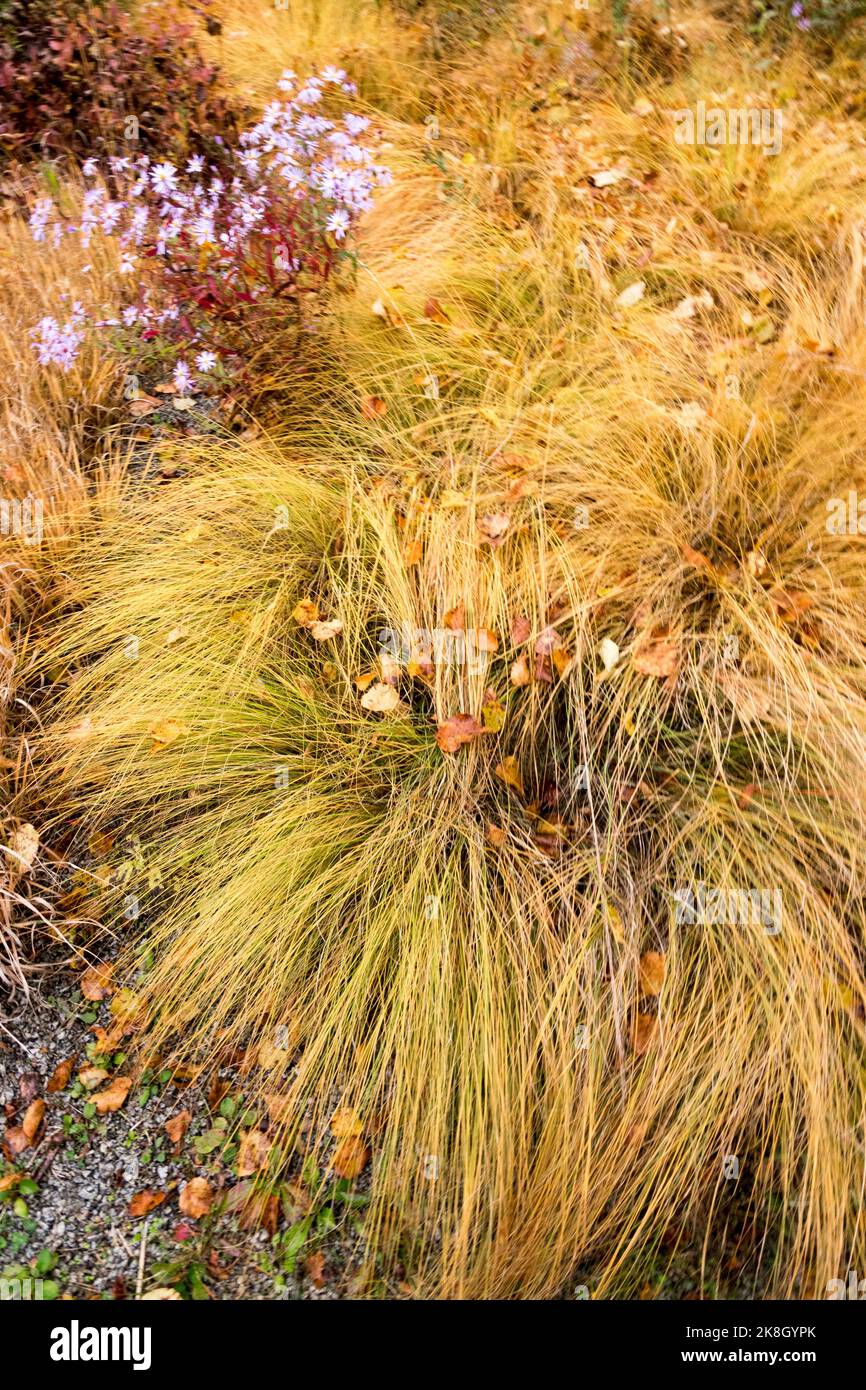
253	1153
177	1127
196	1199
114	1096
61	1075
143	1203
643	1032
96	982
652	972
459	729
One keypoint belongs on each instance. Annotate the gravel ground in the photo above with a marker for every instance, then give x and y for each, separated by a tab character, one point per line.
70	1221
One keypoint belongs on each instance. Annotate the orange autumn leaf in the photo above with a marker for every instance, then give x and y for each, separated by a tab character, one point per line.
177	1127
315	1268
455	618
433	310
23	1136
143	1203
96	982
459	729
652	972
61	1075
372	407
114	1096
643	1033
253	1153
694	557
350	1157
789	604
196	1199
412	552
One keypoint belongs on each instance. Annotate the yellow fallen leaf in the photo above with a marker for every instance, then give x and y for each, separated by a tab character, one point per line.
508	771
345	1122
167	731
492	715
305	613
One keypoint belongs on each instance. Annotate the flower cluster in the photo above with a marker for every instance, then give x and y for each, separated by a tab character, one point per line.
59	343
213	260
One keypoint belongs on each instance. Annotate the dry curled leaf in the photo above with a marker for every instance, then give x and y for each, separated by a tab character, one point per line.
644	1031
380	698
323	632
176	1129
372	407
96	982
495	835
23	848
519	674
696	558
494	528
433	310
253	1153
350	1157
631	295
520	629
608	652
412	553
196	1199
346	1122
61	1075
652	972
789	604
114	1096
91	1077
459	729
305	613
656	656
455	618
143	1203
23	1136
